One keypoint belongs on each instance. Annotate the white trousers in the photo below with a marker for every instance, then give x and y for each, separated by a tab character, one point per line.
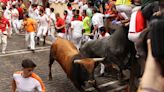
86	38
134	36
9	31
76	39
52	33
96	35
127	9
16	24
30	40
68	32
42	31
3	41
62	35
20	24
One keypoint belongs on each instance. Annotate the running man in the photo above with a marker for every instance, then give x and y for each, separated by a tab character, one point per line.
44	24
52	24
60	26
26	80
15	16
98	23
30	26
3	32
77	28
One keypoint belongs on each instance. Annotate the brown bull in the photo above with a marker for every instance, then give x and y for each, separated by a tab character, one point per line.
80	70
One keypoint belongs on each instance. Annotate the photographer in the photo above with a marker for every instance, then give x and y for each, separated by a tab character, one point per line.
153	77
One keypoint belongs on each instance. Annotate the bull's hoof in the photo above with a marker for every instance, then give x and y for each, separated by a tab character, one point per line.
37	43
44	43
101	75
82	90
120	76
33	51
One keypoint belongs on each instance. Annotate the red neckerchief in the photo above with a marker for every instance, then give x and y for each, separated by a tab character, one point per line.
70	8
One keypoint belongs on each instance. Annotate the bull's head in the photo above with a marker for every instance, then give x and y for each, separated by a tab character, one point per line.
83	71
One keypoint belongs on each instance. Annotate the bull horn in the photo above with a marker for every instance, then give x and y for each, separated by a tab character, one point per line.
77	61
98	59
94	59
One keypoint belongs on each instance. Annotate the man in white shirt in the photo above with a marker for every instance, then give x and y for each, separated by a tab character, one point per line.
30	10
3	32
76	28
26	80
68	18
102	35
47	10
15	16
44	24
98	23
35	14
69	10
7	15
52	24
85	6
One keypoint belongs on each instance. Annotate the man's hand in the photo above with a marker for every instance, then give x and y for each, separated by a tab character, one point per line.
158	13
57	28
152	77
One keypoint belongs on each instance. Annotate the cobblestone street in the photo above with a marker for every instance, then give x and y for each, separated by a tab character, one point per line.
17	51
10	64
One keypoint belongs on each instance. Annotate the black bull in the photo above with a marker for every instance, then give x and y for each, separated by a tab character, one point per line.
116	49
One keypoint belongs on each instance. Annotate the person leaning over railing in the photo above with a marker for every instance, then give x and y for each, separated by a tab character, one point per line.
124	6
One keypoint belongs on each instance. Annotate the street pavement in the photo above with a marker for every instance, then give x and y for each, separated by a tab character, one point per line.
17	51
11	63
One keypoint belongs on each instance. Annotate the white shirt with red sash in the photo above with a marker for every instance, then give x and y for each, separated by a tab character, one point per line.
137	24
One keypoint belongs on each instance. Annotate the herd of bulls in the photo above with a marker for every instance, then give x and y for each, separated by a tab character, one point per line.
79	64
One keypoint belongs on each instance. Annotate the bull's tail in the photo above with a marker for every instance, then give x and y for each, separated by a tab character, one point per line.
51	61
